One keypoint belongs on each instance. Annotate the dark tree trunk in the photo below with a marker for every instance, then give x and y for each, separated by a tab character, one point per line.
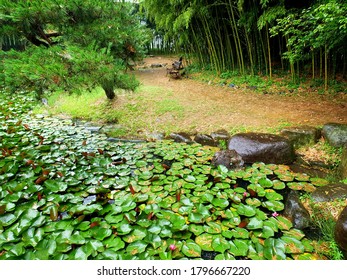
109	91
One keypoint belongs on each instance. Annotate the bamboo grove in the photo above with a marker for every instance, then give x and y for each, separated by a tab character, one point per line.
258	36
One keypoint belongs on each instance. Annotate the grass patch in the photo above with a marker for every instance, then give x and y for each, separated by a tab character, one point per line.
149	108
83	106
323	219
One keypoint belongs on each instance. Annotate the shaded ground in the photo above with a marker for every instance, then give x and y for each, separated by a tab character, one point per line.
205	108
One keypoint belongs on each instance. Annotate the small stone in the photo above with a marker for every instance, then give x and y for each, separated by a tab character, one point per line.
220	135
181	137
205	140
228	158
335	134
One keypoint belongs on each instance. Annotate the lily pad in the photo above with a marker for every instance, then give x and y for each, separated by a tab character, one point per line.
239	247
205	241
220	244
273	206
254	223
55	186
246	210
137	247
293	245
191	249
274	249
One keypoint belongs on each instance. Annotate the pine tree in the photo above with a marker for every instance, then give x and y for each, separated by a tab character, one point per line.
71	44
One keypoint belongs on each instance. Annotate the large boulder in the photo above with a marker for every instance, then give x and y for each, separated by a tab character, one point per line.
335	134
341	231
295	211
343	164
229	158
302	135
262	147
330	193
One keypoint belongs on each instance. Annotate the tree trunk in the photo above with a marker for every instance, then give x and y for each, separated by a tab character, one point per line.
109	91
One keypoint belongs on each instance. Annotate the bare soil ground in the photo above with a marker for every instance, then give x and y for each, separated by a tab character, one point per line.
212	107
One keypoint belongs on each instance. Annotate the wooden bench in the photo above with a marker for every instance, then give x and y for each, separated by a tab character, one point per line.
176	70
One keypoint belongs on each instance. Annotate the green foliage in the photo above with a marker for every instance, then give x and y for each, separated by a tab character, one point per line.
256	37
73	44
68	195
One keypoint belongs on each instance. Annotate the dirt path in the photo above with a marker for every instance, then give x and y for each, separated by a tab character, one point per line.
215	107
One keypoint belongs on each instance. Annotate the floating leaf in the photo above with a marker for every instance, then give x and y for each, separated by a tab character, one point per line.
191	249
137	247
273	206
240	233
265	183
254	223
220	244
238	247
319	182
213	228
7	219
284	223
135	235
246	210
278	185
124	229
295	233
205	241
302	177
274	249
253	202
196	218
292	245
55	186
272	195
196	229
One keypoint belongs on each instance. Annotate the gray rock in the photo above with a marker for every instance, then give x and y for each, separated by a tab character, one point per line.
295	211
341	231
205	140
157	65
220	135
93	129
330	193
335	134
312	171
109	128
262	147
302	135
121	140
181	137
343	164
154	136
229	158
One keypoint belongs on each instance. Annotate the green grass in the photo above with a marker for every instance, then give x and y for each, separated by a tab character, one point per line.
151	108
82	105
326	223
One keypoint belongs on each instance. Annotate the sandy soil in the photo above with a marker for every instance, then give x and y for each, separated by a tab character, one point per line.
222	107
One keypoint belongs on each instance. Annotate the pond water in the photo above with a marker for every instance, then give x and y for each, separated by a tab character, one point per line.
67	193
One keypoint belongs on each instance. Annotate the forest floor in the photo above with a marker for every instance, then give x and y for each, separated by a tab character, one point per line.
196	106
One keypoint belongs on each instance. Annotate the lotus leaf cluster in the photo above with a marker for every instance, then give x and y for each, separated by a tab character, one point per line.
67	194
